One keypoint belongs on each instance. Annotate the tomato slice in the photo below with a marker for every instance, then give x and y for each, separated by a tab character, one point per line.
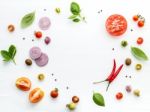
36	95
23	84
116	25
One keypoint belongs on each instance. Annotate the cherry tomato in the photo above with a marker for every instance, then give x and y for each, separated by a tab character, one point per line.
141	23
119	96
135	18
54	93
38	34
23	84
140	40
36	95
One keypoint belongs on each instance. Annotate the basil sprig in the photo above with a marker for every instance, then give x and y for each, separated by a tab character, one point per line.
9	54
75	10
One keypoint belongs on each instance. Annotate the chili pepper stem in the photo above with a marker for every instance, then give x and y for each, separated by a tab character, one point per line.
99	82
108	86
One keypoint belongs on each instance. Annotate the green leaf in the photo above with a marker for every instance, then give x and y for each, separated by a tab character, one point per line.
138	53
27	20
5	55
76	20
75	8
73	16
98	99
12	51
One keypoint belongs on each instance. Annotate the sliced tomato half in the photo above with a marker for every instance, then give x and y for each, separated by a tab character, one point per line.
116	25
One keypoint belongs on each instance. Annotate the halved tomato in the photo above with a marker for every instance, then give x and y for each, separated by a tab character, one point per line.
116	25
23	84
36	95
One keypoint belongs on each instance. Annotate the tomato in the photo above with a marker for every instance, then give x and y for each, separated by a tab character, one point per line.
119	96
54	93
36	95
140	40
135	18
23	84
38	34
141	23
116	25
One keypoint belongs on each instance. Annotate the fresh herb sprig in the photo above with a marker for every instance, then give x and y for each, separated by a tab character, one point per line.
9	55
76	13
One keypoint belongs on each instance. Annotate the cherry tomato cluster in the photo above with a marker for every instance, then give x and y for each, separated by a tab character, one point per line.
139	19
36	94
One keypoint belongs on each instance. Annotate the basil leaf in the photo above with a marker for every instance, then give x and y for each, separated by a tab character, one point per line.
73	16
138	53
75	8
5	55
76	20
27	20
12	51
98	99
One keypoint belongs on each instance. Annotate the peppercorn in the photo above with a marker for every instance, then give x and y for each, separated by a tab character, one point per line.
128	61
11	28
136	92
124	43
28	62
75	99
41	77
138	67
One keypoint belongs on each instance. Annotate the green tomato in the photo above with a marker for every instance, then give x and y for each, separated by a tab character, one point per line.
71	106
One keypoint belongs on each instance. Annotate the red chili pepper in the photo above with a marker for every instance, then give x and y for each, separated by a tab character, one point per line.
112	76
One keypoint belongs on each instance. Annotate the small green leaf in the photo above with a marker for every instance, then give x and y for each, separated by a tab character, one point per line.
6	56
76	20
73	16
75	8
12	51
98	99
139	54
27	20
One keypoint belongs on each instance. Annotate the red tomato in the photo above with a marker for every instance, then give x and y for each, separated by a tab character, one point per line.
54	93
38	34
140	40
135	18
116	25
119	96
141	23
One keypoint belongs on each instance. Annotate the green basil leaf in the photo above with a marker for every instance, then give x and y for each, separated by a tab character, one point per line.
73	16
5	55
12	51
98	99
75	8
76	20
139	54
27	20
